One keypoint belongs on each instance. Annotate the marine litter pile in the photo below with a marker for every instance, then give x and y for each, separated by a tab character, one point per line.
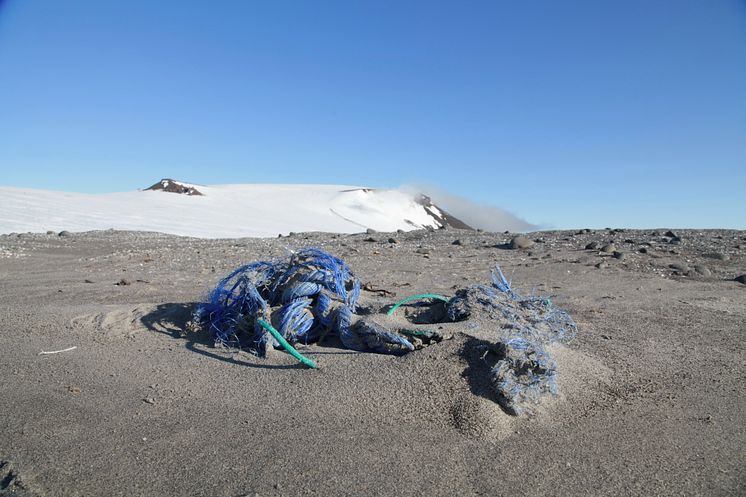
311	294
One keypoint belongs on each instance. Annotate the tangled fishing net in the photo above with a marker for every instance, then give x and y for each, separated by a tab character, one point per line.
312	294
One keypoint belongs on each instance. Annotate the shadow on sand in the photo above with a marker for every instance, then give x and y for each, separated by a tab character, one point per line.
174	319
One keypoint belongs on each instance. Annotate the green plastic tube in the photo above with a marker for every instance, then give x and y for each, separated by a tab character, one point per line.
417	297
304	360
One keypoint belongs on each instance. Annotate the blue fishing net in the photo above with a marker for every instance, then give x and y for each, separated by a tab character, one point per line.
525	371
300	295
311	293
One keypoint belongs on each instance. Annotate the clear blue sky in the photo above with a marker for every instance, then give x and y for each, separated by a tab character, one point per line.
568	113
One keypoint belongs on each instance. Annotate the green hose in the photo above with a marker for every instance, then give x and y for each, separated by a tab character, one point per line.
308	362
416	297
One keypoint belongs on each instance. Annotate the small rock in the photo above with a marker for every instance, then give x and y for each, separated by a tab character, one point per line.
370	231
393	240
370	239
682	268
702	270
400	231
718	256
741	279
643	250
64	233
608	248
50	232
87	281
592	246
670	234
456	242
424	251
123	282
149	400
675	240
602	265
521	242
618	255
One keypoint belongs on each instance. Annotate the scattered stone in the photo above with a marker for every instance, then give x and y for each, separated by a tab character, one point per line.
602	265
740	279
608	248
370	239
123	282
456	242
702	270
592	246
670	234
149	400
393	240
370	231
521	242
682	268
424	251
719	256
675	240
64	233
400	231
50	232
643	250
618	255
87	281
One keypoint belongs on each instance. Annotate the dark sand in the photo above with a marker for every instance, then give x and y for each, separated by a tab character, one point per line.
651	391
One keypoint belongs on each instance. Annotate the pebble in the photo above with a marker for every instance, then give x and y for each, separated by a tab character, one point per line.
608	248
393	240
123	282
50	232
702	270
682	268
643	250
718	256
149	400
619	255
521	242
370	231
602	265
456	242
592	246
740	279
64	233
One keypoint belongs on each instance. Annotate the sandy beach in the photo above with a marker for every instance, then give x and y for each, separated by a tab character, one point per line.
651	391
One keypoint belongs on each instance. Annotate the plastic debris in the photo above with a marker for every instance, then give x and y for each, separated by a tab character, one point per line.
524	371
312	293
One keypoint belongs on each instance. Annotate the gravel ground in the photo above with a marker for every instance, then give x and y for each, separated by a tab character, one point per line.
651	397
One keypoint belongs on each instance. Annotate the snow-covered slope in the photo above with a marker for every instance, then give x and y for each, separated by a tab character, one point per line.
223	211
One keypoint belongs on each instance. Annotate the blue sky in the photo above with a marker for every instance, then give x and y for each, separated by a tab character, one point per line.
569	114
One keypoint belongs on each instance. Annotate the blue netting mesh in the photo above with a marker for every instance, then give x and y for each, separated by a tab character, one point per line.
309	287
312	292
525	371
